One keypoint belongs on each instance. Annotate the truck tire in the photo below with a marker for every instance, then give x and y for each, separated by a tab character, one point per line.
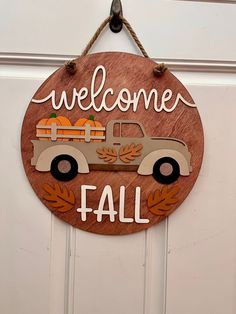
166	179
64	175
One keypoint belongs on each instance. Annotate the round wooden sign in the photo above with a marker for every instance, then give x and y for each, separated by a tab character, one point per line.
112	148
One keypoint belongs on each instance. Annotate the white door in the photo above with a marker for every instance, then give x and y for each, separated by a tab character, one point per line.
185	265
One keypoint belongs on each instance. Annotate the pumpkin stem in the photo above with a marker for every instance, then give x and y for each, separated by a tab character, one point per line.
91	117
53	115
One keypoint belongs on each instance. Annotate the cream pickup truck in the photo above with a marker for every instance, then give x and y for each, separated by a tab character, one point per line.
162	157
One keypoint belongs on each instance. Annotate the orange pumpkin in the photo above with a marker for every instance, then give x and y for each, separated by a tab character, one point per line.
60	120
91	122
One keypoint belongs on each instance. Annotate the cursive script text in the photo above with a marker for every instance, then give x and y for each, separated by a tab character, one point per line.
124	101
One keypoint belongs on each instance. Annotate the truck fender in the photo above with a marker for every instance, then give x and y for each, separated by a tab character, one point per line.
45	158
146	166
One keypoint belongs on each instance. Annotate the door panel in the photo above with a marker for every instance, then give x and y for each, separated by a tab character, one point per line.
186	264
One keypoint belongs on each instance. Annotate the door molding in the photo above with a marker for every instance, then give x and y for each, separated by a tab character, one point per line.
56	60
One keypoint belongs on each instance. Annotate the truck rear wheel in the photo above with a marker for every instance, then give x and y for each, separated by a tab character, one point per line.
64	168
166	170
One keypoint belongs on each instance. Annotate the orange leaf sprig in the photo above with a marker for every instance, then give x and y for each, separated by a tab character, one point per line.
128	153
107	154
161	201
59	197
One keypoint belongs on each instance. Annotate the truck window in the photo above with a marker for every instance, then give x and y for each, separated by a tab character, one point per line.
131	130
116	130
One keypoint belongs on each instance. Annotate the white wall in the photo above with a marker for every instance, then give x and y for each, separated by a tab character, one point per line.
185	265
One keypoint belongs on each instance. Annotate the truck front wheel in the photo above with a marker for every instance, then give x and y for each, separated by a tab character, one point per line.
166	170
64	168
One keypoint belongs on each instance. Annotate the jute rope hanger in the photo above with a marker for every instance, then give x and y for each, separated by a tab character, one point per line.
71	65
101	28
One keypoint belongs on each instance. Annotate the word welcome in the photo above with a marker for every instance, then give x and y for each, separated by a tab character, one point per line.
110	211
124	101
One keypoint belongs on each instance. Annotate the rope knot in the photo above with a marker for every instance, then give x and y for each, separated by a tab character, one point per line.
71	67
160	69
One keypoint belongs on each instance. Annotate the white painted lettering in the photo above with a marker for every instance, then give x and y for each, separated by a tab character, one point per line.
124	101
138	219
100	212
122	207
83	209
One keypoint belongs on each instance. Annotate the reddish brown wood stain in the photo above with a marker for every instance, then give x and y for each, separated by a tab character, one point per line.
132	72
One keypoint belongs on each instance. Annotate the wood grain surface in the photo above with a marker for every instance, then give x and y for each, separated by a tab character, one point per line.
132	72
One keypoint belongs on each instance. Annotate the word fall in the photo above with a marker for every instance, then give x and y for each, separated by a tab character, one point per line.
110	211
